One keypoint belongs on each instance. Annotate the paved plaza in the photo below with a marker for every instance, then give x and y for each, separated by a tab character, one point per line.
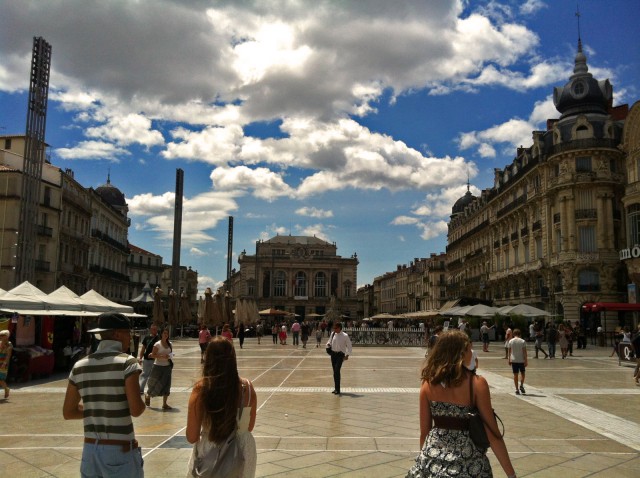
580	417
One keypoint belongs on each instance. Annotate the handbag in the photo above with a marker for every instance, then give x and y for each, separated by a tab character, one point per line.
223	461
328	349
477	431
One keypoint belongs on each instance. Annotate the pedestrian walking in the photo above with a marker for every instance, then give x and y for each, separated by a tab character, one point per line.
484	333
295	331
539	336
274	333
283	335
226	333
240	334
160	378
340	344
304	334
259	332
635	344
203	340
508	335
146	347
518	359
552	338
106	382
449	393
6	349
318	336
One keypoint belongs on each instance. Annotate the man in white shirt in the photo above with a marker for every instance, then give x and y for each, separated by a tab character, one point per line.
340	350
518	359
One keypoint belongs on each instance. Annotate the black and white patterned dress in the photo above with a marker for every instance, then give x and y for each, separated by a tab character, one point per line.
450	453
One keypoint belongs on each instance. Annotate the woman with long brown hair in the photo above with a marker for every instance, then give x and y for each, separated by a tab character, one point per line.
220	401
449	392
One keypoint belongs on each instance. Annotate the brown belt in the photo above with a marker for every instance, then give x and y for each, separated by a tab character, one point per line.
451	423
126	445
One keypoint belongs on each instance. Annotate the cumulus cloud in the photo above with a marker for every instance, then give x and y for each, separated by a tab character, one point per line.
314	212
266	184
126	130
200	215
93	150
512	133
532	6
197	252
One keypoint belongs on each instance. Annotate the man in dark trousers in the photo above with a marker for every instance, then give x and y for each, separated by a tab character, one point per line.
104	392
340	344
146	347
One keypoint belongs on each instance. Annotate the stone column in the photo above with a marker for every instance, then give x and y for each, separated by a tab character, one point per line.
564	224
601	223
571	222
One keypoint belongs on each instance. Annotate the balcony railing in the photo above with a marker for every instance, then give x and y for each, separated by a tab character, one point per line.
586	214
45	231
584	144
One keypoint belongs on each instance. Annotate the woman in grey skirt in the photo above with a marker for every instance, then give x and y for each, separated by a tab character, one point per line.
160	378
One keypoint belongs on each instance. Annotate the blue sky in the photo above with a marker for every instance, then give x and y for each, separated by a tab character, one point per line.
358	122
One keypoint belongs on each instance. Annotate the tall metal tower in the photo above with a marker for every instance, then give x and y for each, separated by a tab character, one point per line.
33	159
177	231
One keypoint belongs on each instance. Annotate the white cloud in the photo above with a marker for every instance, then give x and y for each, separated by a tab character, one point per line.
314	212
530	7
93	150
197	252
315	230
265	183
200	214
126	130
404	220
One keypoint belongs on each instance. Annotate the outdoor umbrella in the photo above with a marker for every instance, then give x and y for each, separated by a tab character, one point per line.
240	312
253	317
273	312
158	310
481	310
208	307
200	311
218	310
524	310
172	301
185	308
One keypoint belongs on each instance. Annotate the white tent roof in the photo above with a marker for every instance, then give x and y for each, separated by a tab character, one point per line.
95	302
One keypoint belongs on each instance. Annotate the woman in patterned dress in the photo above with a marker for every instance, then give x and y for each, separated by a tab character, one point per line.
445	401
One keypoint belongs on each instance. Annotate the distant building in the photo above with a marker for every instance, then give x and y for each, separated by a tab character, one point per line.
109	243
46	244
298	274
143	266
187	282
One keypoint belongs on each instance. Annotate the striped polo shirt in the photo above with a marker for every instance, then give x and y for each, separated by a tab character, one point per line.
100	380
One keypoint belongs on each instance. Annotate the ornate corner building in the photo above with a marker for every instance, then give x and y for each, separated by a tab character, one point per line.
550	230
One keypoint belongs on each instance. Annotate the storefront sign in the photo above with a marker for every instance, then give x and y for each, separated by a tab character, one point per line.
631	253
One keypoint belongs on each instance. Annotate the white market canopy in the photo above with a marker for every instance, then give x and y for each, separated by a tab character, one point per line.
26	299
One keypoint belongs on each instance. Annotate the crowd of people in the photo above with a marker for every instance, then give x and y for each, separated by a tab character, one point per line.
107	387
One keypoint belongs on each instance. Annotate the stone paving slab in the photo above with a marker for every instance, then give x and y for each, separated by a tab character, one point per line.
580	417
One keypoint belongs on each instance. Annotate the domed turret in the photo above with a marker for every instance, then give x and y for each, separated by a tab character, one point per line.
463	202
583	93
112	194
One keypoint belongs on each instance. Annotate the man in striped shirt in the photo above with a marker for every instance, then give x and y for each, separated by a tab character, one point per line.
106	382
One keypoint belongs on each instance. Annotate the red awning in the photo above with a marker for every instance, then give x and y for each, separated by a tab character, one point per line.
598	306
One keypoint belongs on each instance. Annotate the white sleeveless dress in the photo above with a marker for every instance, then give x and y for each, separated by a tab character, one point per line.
245	438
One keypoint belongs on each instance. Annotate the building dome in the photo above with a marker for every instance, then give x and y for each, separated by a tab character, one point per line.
583	93
111	194
462	203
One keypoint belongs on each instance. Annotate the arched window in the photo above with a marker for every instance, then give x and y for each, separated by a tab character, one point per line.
300	289
266	284
633	224
588	280
320	285
280	284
